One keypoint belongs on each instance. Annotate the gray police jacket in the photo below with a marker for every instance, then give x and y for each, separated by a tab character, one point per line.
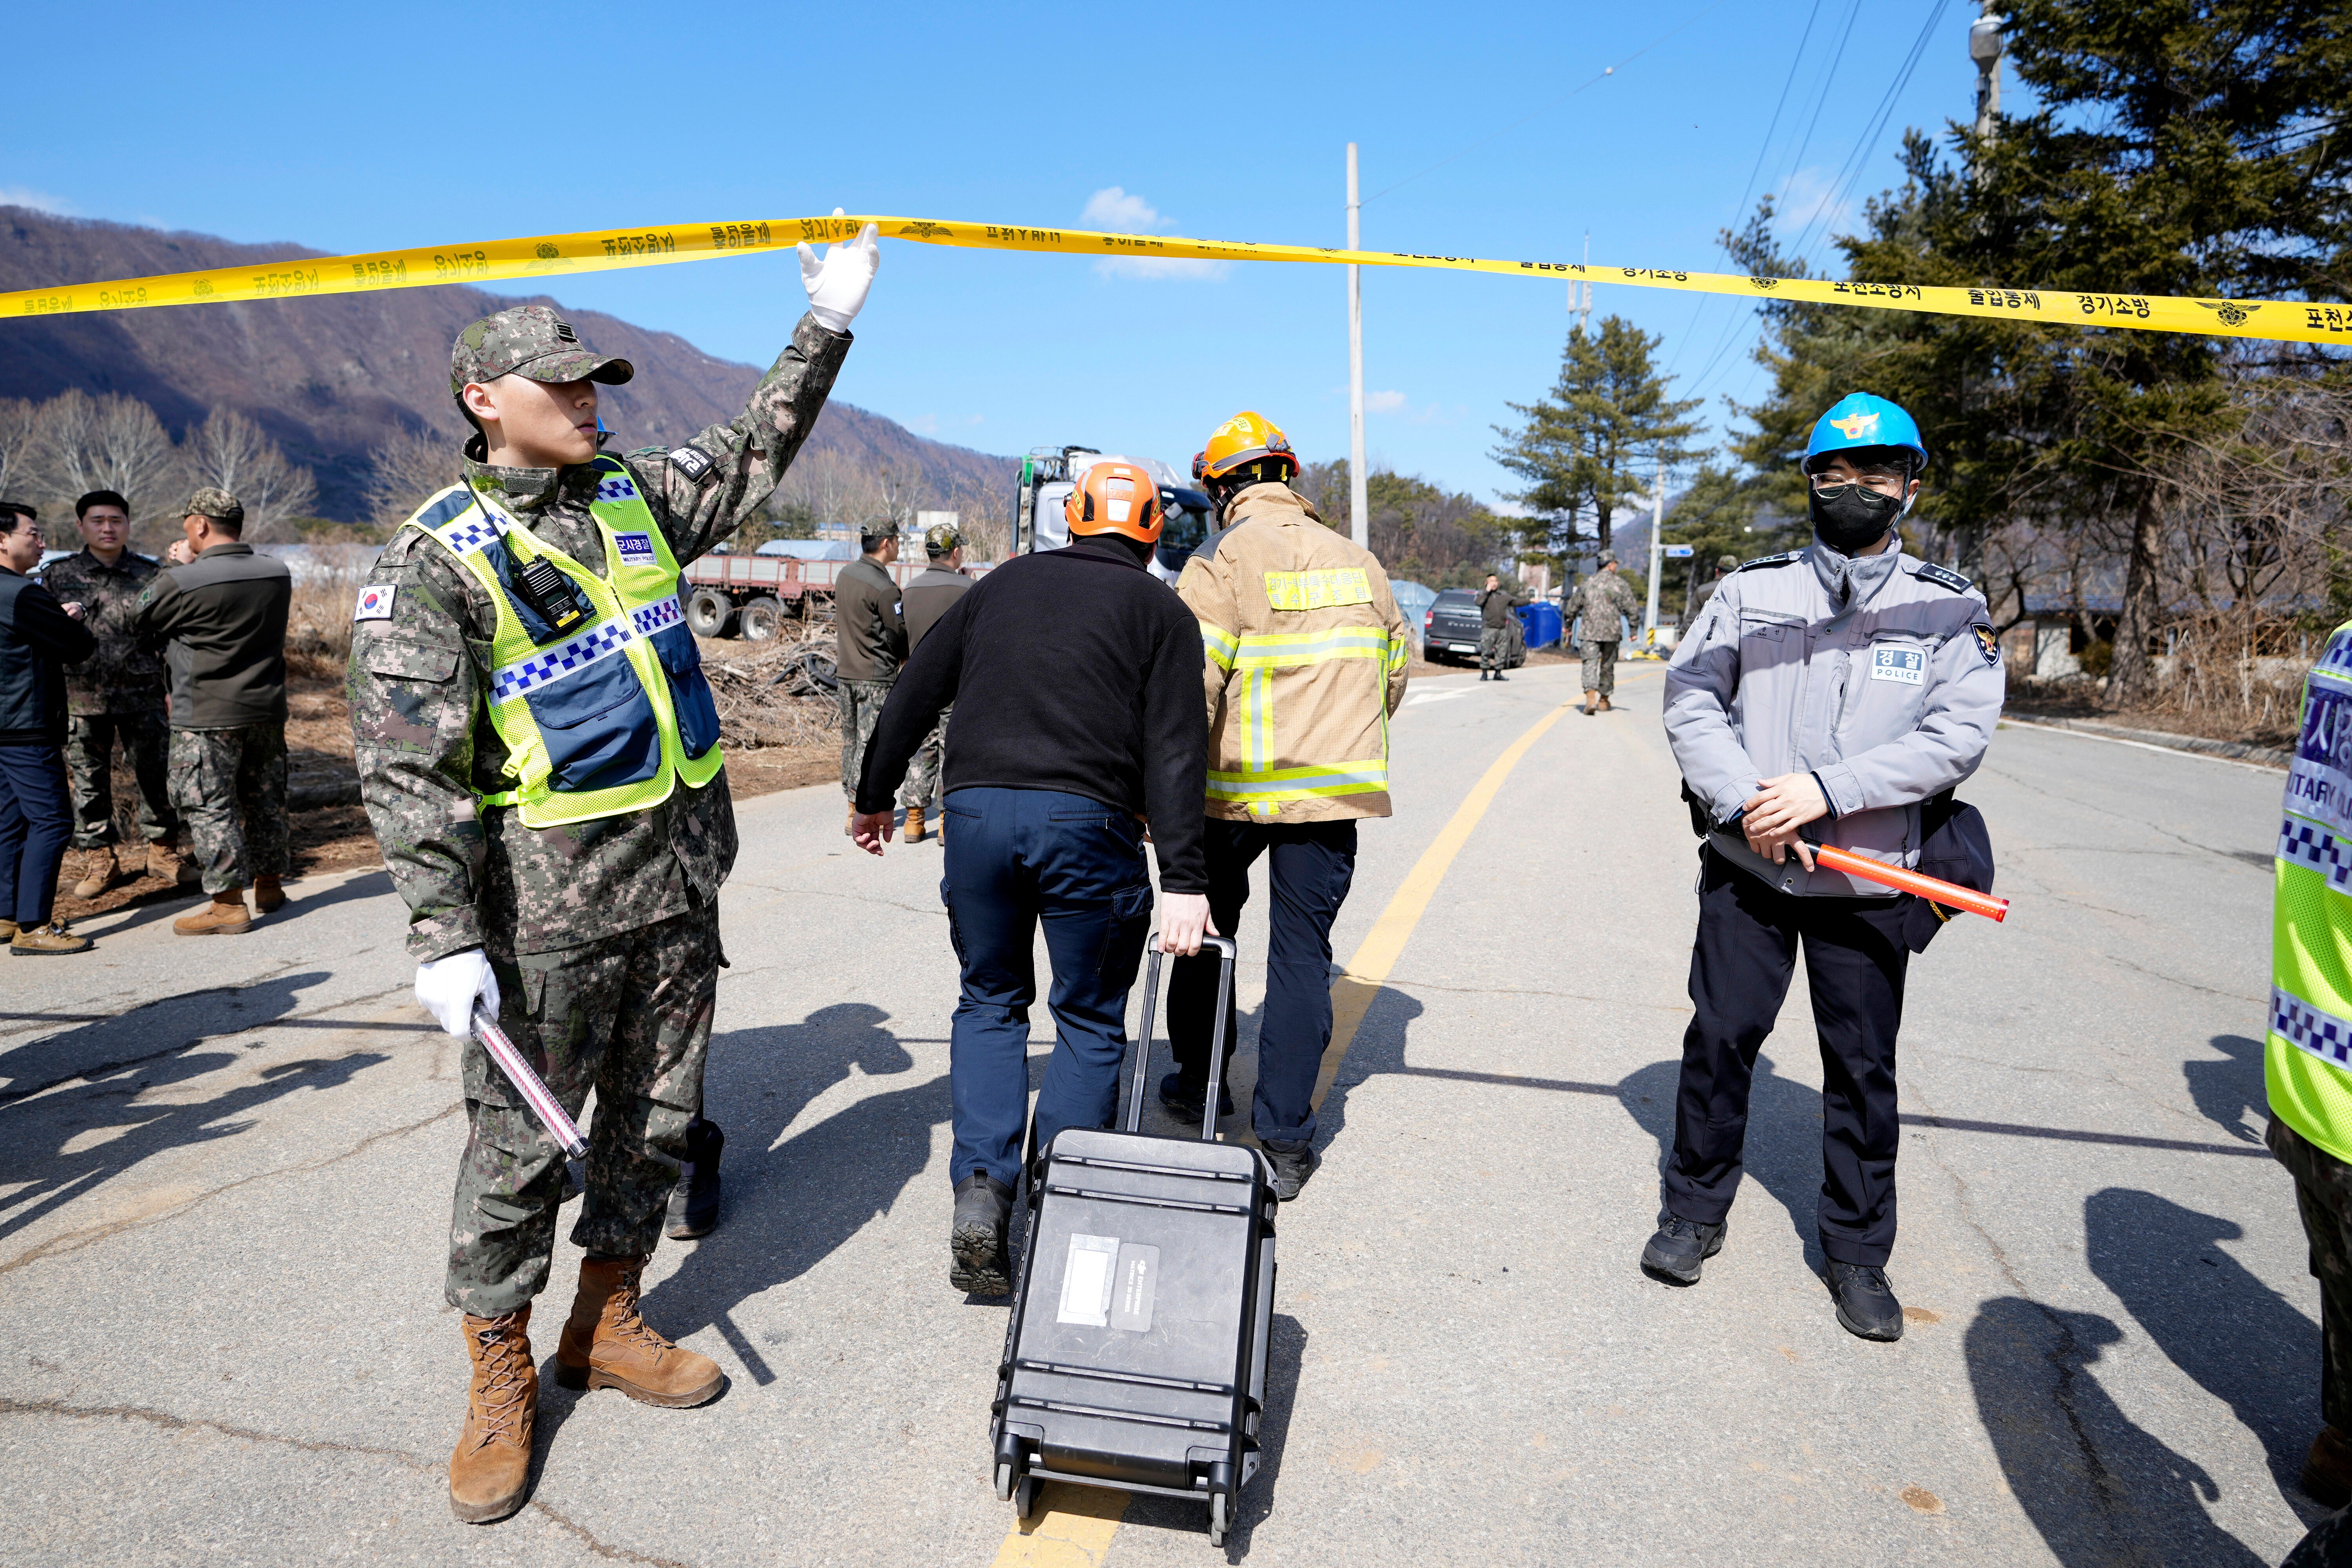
1888	700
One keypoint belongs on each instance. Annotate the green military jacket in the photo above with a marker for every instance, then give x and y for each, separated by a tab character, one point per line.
1601	599
421	665
121	677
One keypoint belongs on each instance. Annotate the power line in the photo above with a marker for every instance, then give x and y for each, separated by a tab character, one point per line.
1850	172
1787	82
1821	101
1547	108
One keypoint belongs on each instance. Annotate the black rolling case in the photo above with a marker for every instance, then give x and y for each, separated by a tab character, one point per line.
1135	1357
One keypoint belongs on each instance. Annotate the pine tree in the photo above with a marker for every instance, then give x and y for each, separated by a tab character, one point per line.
1598	440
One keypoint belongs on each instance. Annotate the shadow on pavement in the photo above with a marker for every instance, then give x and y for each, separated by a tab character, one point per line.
2242	1342
170	903
1285	1357
788	1208
1378	1048
2099	1487
1783	1150
2225	1090
149	1047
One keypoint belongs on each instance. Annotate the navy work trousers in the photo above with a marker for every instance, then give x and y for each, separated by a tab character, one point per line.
1309	866
1016	858
1740	967
36	821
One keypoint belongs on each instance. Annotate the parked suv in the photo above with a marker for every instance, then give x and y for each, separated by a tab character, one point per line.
1450	626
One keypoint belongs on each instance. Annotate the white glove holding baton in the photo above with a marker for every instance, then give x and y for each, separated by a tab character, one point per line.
837	284
446	987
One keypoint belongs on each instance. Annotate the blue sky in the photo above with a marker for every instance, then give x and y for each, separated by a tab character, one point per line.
360	128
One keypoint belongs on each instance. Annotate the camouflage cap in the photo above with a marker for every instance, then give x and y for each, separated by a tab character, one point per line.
216	504
1727	562
942	539
529	341
1608	558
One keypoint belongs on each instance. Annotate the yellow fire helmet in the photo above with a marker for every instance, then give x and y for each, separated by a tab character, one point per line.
1245	440
1113	498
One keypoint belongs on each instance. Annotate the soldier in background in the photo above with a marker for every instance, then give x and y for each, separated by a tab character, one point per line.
940	584
531	612
1496	604
219	611
1725	565
117	693
870	639
1606	601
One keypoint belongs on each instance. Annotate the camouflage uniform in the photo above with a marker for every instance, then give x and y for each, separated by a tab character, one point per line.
923	772
1601	599
230	787
861	709
117	693
604	933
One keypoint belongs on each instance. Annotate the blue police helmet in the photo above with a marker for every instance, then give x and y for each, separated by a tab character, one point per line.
1861	419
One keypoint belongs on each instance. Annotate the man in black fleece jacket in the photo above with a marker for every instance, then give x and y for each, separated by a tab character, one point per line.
39	637
1076	677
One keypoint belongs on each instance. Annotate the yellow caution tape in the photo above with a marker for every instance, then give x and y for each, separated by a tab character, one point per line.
544	257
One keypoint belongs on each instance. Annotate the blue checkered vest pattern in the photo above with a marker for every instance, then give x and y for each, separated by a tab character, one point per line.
595	685
2307	1057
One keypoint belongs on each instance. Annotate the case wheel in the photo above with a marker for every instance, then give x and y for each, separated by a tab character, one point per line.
1025	1495
1220	1519
1003	1481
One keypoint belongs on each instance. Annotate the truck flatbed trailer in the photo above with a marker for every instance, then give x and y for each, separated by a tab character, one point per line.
747	596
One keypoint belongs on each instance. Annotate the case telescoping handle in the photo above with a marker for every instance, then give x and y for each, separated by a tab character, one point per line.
1227	951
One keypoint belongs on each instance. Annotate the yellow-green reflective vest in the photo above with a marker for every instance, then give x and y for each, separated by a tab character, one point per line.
2307	1057
604	715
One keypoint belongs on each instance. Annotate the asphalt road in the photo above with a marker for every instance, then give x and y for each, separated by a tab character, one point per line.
224	1172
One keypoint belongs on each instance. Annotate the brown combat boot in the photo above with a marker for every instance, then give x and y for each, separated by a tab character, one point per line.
43	942
1604	702
225	916
99	871
914	825
2328	1470
1591	704
491	1468
165	860
7	930
608	1345
268	898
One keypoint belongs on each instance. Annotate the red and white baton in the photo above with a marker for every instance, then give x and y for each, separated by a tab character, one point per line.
542	1102
1935	889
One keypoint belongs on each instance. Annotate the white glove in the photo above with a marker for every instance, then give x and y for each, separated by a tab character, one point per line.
836	286
446	987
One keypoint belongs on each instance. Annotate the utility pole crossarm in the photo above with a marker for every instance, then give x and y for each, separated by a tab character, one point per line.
1359	521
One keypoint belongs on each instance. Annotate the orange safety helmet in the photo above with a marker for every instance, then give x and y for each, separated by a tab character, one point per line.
1115	498
1245	440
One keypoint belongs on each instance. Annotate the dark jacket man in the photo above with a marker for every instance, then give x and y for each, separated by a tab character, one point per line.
37	638
870	634
222	625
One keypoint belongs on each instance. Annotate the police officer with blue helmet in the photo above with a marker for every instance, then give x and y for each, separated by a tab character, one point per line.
1824	697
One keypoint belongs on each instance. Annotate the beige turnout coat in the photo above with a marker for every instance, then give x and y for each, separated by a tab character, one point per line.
1306	655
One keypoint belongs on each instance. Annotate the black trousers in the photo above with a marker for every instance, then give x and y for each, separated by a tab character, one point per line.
1741	966
1310	865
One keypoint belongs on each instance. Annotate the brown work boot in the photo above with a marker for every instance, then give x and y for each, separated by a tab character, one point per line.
608	1345
97	871
914	825
7	930
165	860
491	1468
47	941
1604	702
268	898
1591	704
225	916
2328	1470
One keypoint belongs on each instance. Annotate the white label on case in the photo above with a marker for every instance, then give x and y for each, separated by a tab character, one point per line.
1086	1280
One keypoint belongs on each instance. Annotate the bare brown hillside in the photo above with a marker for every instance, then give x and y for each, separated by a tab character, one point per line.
331	378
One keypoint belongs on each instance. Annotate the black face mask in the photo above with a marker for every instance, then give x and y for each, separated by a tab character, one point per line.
1851	517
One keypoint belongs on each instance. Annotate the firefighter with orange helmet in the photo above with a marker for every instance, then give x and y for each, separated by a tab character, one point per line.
1075	675
1305	663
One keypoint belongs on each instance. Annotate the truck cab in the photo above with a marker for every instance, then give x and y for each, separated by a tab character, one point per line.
1048	474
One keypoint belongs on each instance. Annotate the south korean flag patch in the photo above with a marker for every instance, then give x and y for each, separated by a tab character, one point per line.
375	603
636	549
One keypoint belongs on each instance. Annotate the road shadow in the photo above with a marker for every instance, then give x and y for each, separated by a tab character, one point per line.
170	903
2243	1342
2225	1090
1285	1359
2099	1487
789	1206
1378	1048
93	1076
1783	1149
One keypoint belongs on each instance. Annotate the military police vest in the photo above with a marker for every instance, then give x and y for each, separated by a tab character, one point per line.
2307	1057
596	685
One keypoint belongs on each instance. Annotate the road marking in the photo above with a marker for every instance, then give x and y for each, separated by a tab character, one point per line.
2008	724
1073	1525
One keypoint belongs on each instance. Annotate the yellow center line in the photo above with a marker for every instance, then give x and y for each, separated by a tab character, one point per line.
1072	1526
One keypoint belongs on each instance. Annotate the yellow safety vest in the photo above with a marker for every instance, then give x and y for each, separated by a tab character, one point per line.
603	716
2307	1057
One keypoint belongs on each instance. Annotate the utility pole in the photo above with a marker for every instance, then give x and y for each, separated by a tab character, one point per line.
1359	511
1582	312
1657	552
1984	49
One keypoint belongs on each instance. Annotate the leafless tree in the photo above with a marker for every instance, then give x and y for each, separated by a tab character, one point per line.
20	436
109	443
407	470
230	452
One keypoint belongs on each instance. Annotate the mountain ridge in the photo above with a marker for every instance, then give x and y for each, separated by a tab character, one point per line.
331	377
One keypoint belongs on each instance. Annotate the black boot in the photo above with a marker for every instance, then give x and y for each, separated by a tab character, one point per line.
1186	1100
694	1202
1500	676
983	1266
1866	1306
1681	1248
1293	1164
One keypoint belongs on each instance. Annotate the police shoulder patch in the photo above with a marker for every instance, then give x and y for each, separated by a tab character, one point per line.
1943	576
1783	559
1987	644
691	461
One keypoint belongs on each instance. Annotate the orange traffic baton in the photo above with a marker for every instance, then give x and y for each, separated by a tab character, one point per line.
1935	889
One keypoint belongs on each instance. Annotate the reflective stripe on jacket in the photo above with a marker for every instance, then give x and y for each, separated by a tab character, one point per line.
604	716
1307	657
2307	1054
